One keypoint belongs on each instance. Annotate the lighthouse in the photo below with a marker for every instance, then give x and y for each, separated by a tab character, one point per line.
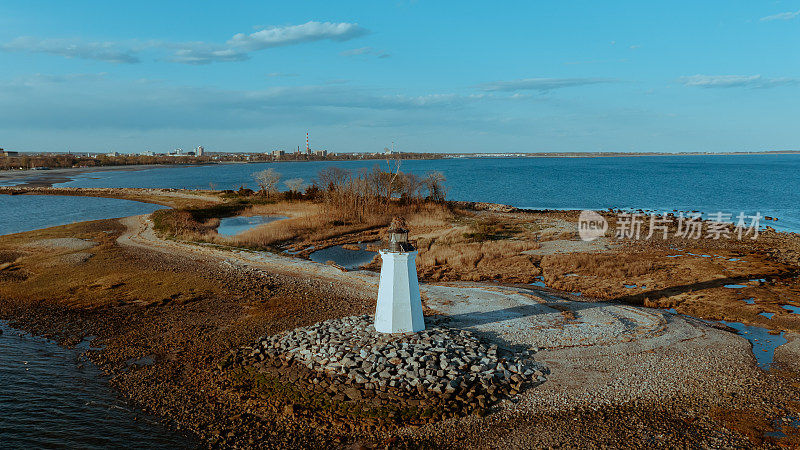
399	308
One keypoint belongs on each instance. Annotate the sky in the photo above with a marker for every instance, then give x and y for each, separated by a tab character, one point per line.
430	76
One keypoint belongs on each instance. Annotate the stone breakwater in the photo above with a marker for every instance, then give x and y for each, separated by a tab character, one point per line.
451	370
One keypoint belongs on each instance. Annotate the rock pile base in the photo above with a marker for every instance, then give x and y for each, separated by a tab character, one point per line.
449	370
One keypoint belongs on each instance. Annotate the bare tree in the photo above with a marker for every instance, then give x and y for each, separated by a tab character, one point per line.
434	181
410	188
294	184
333	178
267	180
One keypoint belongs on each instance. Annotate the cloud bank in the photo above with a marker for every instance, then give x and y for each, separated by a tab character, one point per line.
100	51
238	48
366	51
540	84
735	81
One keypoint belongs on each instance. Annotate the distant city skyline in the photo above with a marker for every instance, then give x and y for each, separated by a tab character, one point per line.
91	76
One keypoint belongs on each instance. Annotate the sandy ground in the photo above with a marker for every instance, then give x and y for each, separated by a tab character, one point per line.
619	375
600	355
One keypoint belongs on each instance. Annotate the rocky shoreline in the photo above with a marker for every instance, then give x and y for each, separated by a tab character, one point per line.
448	370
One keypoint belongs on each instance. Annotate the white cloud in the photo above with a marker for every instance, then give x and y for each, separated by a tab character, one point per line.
366	51
101	51
781	16
296	34
238	48
198	54
541	84
735	81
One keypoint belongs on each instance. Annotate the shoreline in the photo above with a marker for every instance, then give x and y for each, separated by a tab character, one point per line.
213	300
46	178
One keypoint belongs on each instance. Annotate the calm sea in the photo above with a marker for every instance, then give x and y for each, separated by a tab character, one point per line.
52	397
769	184
31	212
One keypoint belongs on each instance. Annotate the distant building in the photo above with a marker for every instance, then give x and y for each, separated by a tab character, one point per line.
7	153
112	154
200	151
321	153
278	153
146	153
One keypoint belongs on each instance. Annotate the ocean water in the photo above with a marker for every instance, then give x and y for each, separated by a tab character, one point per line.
769	184
231	226
53	397
20	213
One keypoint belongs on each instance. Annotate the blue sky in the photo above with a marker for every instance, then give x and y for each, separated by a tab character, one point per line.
434	76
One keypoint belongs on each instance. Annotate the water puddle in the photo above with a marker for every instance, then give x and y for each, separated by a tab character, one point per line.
764	344
349	259
792	309
539	283
290	252
749	301
673	256
735	286
231	226
792	422
148	360
630	286
767	315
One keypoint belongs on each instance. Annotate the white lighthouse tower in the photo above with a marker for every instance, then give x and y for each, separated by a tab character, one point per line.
399	308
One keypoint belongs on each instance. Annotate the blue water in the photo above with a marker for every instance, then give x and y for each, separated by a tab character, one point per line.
349	259
231	226
764	344
769	184
32	212
53	397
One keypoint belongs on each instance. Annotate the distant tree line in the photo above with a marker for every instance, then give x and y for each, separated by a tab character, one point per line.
62	161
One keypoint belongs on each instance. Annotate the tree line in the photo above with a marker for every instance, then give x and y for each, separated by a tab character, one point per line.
360	193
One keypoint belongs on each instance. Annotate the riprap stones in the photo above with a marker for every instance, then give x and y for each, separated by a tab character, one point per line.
446	367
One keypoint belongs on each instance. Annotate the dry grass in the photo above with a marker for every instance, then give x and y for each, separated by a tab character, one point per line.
597	265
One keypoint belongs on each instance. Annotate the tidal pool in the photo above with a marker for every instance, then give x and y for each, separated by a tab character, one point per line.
792	309
349	259
231	226
764	344
539	283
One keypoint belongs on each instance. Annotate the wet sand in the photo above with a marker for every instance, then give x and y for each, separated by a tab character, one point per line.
47	178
